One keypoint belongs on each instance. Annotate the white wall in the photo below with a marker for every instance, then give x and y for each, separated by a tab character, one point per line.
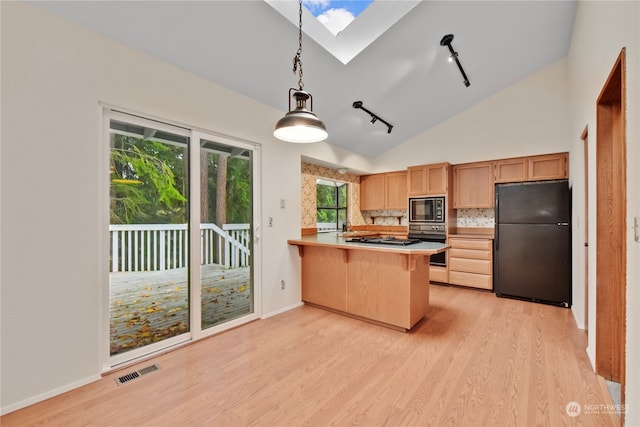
601	30
508	124
54	75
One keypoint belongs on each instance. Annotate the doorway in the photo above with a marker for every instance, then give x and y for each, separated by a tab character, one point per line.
611	250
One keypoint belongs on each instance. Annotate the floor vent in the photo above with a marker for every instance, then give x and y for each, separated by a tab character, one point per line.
137	374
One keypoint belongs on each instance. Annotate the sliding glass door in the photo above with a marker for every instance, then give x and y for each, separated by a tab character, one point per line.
226	206
181	250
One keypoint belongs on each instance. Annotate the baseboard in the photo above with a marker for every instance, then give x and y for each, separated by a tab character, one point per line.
49	394
282	310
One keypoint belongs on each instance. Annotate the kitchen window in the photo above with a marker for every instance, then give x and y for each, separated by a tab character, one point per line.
331	204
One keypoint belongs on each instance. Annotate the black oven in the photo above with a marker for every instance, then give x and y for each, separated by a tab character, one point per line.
431	233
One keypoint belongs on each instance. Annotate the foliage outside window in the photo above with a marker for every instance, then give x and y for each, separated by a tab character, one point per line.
331	202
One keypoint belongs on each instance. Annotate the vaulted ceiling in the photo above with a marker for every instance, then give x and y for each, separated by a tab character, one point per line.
401	74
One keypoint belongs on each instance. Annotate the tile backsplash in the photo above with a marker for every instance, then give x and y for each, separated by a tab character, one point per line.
480	218
386	217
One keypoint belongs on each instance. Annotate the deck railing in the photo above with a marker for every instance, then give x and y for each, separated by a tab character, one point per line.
326	226
159	247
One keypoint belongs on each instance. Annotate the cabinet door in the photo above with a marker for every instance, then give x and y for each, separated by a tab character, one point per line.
396	190
551	166
324	277
473	185
372	195
436	179
511	170
417	180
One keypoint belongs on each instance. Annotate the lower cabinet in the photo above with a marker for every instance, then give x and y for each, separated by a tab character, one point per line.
385	287
438	274
324	277
471	262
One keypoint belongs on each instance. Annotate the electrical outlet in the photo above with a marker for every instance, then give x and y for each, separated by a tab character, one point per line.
282	284
636	236
282	204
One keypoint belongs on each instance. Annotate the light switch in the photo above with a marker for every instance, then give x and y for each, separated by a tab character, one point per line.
636	236
281	203
270	222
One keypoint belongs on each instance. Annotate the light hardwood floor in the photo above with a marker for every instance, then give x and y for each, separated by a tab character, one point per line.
476	360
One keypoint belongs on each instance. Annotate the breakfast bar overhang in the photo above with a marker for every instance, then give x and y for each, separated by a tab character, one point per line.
384	284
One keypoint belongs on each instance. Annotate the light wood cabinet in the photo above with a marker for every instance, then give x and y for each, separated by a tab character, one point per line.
532	168
324	277
438	273
471	262
383	191
372	192
428	180
550	166
511	170
396	190
473	185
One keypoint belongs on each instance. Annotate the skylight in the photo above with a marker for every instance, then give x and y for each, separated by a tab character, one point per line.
355	34
334	14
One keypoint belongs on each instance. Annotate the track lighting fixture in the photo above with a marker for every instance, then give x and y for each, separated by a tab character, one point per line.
300	125
374	117
446	41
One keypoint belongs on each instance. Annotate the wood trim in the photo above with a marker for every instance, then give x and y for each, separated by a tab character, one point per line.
611	250
480	232
309	231
381	228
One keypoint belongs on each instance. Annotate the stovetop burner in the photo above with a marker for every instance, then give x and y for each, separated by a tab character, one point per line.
384	240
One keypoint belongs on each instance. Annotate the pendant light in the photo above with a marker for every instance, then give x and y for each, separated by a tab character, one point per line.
300	125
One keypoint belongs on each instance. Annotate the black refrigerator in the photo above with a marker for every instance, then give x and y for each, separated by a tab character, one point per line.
532	246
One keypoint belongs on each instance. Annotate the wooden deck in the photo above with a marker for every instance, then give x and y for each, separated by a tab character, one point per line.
147	307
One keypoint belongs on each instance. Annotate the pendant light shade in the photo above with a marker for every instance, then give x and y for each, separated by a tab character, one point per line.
300	125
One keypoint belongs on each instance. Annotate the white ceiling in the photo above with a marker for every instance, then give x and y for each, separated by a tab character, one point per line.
402	75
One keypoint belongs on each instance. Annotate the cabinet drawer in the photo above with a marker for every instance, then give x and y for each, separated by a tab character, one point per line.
470	243
470	253
470	279
469	265
437	274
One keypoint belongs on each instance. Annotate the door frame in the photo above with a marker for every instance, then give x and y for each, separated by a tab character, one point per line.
109	363
611	218
585	150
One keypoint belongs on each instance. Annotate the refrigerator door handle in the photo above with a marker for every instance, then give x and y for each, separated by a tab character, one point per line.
497	236
563	224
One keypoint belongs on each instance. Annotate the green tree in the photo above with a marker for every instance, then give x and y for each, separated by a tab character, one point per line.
147	181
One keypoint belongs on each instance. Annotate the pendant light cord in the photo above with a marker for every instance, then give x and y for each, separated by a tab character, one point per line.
297	62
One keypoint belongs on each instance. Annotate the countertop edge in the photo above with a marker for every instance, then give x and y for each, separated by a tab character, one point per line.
366	247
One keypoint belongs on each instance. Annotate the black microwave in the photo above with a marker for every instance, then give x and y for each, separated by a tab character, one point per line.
427	209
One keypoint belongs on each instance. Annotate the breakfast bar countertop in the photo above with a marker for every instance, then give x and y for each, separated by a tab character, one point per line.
333	239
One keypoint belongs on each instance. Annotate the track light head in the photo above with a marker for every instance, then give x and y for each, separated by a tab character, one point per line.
446	41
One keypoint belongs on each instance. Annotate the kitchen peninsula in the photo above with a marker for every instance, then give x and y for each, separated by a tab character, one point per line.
383	283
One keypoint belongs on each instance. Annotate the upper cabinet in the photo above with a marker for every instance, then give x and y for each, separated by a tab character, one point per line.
428	180
550	166
372	192
511	170
383	191
532	168
473	185
396	190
